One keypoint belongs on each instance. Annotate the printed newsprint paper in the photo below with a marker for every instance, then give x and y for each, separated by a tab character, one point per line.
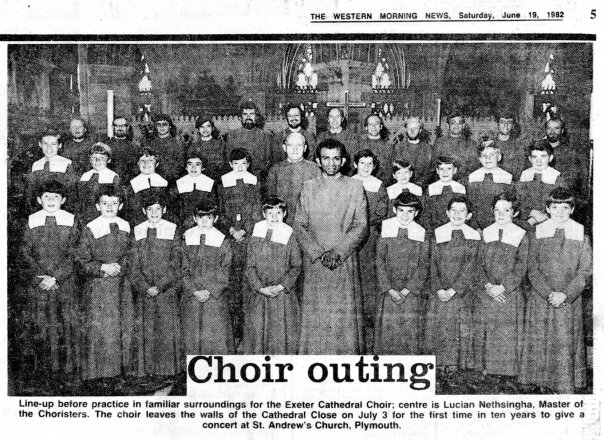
545	55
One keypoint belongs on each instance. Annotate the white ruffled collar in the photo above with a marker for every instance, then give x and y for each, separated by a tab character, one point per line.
105	175
63	218
395	190
165	230
370	183
101	226
391	227
56	164
213	237
436	188
444	233
141	182
281	232
512	233
548	175
230	179
572	229
499	175
187	183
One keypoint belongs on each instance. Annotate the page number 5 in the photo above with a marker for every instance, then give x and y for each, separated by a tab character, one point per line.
593	14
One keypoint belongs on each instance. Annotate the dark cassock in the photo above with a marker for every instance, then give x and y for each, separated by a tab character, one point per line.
170	157
534	187
107	306
285	180
206	261
51	316
463	149
553	348
377	202
419	156
124	157
513	156
272	325
155	262
383	151
79	153
483	185
402	261
310	141
44	170
216	160
331	215
573	165
498	326
188	193
89	187
259	143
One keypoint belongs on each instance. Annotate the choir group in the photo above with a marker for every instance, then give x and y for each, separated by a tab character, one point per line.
137	256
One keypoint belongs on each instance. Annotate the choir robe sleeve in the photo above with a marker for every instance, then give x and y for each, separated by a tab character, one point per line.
63	269
536	276
513	279
227	221
27	252
380	211
417	280
220	281
137	276
483	277
256	215
301	227
436	280
90	267
467	276
295	265
251	273
189	283
583	273
358	227
271	182
381	252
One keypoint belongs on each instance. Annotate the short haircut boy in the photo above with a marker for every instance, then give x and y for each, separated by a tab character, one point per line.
50	131
560	195
446	160
274	202
408	200
51	186
151	198
400	164
460	198
206	207
366	153
240	153
540	146
146	151
507	196
488	143
101	148
194	154
109	191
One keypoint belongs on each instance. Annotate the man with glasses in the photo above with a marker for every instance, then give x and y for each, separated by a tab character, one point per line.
168	147
123	150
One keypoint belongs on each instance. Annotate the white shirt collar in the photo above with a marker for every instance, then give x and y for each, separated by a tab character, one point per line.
101	226
141	182
572	230
499	175
56	164
230	179
187	183
436	188
105	175
512	234
370	183
444	233
548	175
395	190
281	232
213	237
391	226
165	230
63	218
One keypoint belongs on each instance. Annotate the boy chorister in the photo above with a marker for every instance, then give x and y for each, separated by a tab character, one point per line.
439	193
107	306
239	195
51	167
206	261
365	163
51	304
193	189
499	306
560	267
92	181
537	182
155	281
454	265
402	171
487	182
402	261
274	263
148	181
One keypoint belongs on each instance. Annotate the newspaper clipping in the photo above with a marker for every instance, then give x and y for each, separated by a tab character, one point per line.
300	219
